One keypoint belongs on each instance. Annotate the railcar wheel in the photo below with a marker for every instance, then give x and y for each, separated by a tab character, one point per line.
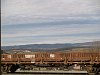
13	68
91	69
4	69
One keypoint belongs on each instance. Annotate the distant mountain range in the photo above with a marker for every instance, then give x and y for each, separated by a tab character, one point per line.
52	46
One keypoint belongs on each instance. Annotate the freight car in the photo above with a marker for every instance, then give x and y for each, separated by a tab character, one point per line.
89	61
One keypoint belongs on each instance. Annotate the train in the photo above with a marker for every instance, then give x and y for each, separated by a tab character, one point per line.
72	60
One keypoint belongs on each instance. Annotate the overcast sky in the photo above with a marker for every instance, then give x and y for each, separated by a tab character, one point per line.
49	21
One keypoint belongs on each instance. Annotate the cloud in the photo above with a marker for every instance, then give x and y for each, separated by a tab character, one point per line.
50	40
50	30
51	34
49	21
23	11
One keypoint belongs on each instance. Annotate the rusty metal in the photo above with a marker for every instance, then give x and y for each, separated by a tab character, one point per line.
52	57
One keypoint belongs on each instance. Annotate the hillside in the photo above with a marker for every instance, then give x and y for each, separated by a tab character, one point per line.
52	46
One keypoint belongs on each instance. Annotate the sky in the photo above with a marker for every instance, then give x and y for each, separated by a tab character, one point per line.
49	21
